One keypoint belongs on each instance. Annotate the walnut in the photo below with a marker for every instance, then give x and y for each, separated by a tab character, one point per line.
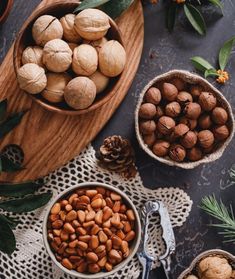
147	111
32	78
189	140
180	130
70	33
112	58
160	148
207	101
192	110
85	60
196	91
150	139
177	153
92	24
173	109
56	83
191	123
169	91
57	56
147	127
153	95
194	154
100	80
80	93
33	54
206	138
214	267
45	29
221	132
204	121
184	97
178	83
96	44
165	125
219	115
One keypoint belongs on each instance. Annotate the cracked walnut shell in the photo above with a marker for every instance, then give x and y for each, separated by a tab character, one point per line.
33	54
70	33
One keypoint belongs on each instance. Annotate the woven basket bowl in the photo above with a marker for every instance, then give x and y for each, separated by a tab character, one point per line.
190	79
194	265
24	39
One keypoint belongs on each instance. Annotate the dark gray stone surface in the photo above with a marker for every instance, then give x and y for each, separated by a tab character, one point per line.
163	52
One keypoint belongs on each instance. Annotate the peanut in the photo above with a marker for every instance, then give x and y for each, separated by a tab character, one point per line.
82	267
99	217
81	231
57	224
95	229
115	196
109	245
96	204
107	213
101	263
115	220
67	264
54	217
130	236
90	216
56	208
130	215
93	268
84	238
101	190
72	215
108	266
102	237
120	234
57	232
92	257
94	242
109	202
91	193
82	245
81	216
69	228
100	249
116	206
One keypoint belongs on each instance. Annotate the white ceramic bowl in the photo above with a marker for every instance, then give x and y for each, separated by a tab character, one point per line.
133	248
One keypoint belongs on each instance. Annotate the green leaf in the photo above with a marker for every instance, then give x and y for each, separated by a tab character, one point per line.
18	189
26	204
171	16
211	73
201	64
3	109
10	123
11	221
114	8
90	4
217	3
9	166
225	52
8	242
195	18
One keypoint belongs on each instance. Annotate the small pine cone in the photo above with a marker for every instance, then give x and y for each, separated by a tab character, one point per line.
116	154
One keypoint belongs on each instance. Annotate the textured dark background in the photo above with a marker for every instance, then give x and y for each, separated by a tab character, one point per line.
163	52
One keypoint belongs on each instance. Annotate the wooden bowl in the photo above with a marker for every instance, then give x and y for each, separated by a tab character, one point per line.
190	79
5	9
24	39
192	270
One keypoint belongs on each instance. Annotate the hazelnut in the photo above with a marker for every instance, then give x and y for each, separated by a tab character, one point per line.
171	137
169	91
159	135
208	150
192	110
92	24
33	54
101	81
147	127
196	91
72	46
221	132
57	56
70	34
165	125
159	112
191	123
207	101
180	130
184	97
194	154
32	78
45	29
189	139
85	60
173	109
112	58
153	95
150	139
160	148
80	93
54	91
205	138
147	111
204	121
178	83
219	115
177	153
96	44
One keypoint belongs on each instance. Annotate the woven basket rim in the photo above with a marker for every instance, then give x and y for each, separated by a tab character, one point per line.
191	78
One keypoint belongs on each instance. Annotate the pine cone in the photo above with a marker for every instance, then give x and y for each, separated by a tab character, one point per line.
116	154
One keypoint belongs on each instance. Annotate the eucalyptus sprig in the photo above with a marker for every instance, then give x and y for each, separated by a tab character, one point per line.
225	215
208	70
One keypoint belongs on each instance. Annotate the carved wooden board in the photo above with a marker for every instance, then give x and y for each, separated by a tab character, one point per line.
50	140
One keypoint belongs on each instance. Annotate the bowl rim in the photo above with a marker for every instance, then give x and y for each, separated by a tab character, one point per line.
52	107
6	11
207	158
204	254
100	274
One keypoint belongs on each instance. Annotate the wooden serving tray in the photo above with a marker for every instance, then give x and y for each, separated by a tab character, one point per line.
49	140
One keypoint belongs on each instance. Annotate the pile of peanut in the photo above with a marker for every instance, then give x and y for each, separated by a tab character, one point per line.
91	230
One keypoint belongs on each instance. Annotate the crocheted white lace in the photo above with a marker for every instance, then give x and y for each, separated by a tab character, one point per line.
30	260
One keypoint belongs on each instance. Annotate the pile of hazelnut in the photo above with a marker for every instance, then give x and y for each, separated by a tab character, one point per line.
182	121
91	230
72	60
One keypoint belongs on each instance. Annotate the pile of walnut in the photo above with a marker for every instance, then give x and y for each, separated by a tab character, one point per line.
76	68
91	230
180	121
213	267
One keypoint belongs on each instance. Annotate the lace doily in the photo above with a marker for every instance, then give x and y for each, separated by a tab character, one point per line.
30	260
